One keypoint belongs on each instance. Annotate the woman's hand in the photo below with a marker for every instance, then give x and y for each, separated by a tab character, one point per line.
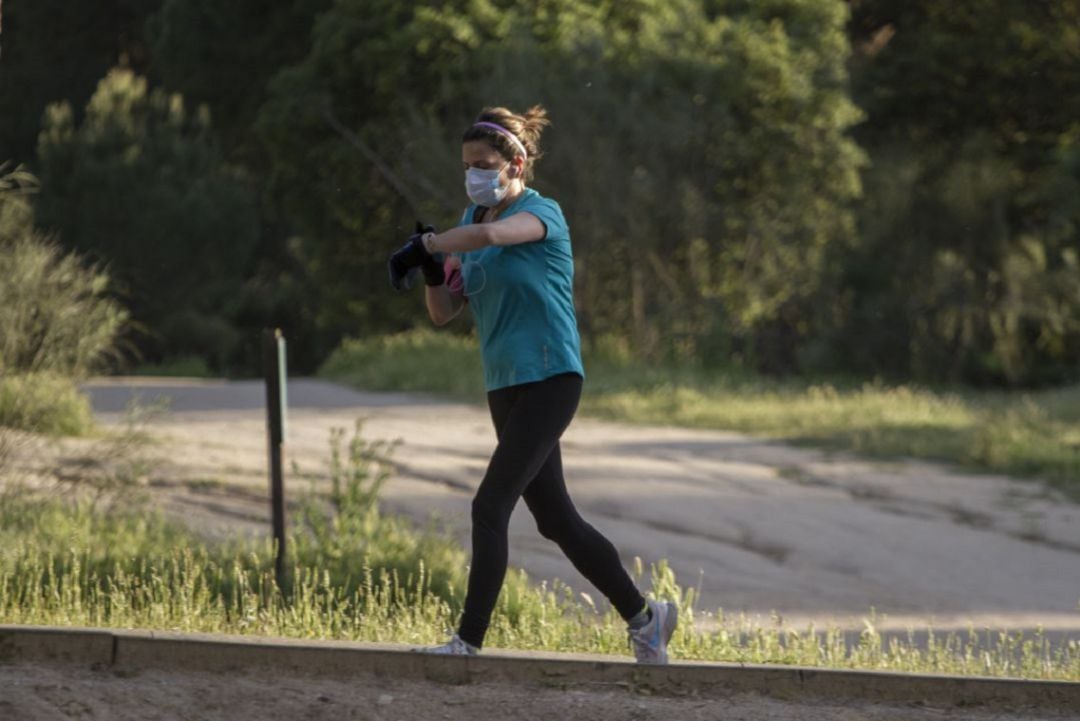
412	255
455	281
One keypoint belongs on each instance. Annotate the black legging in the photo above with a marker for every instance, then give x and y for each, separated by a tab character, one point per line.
529	419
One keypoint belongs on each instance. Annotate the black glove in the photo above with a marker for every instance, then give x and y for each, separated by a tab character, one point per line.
404	263
401	276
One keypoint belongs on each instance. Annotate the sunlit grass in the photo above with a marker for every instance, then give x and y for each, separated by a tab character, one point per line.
358	574
45	403
120	569
1018	434
419	361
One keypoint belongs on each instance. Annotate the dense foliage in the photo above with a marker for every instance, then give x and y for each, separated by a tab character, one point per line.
874	186
139	184
971	222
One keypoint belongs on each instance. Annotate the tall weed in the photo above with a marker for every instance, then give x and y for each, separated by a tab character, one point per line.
57	321
63	564
45	403
55	313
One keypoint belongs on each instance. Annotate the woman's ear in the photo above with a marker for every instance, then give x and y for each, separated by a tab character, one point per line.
517	167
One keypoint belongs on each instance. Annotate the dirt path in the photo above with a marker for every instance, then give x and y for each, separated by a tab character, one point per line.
759	526
44	693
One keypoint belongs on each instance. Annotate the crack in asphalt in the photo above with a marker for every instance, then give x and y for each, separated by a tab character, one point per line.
907	507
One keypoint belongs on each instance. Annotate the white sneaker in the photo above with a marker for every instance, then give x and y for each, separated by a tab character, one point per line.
651	640
454	647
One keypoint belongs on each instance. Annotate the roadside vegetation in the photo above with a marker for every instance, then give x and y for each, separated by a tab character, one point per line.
358	574
1034	434
56	322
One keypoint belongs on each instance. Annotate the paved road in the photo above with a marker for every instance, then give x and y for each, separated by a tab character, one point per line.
758	526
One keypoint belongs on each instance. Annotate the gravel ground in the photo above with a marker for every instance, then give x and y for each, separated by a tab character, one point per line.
47	693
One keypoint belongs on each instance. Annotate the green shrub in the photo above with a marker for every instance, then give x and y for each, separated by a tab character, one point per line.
44	403
184	366
419	361
55	314
57	323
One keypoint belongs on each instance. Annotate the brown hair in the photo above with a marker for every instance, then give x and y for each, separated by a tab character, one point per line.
525	127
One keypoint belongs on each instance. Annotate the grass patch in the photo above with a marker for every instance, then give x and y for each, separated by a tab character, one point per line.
1028	434
422	361
204	485
1021	434
359	574
45	403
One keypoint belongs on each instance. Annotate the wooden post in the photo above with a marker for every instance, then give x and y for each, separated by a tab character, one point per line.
274	370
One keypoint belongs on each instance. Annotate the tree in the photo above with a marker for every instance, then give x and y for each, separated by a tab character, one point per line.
699	151
223	55
967	267
58	50
139	184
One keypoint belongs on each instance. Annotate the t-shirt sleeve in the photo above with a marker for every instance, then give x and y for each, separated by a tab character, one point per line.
550	214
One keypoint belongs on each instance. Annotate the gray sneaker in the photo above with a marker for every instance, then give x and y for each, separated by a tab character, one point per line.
454	647
651	640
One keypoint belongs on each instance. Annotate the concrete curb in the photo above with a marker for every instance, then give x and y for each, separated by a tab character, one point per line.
132	651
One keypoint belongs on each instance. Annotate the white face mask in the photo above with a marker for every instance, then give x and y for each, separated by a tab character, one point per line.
483	186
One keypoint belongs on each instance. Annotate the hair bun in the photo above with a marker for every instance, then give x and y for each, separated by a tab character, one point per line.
535	120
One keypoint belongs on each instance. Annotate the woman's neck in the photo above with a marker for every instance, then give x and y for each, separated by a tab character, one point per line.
515	191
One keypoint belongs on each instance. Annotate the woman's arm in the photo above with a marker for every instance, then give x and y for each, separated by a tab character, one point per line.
518	228
443	306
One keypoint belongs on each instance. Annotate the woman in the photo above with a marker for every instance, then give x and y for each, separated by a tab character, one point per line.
513	266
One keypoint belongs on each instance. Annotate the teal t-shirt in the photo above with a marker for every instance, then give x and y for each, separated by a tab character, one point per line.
522	299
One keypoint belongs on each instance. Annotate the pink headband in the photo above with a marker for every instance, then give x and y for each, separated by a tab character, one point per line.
503	131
